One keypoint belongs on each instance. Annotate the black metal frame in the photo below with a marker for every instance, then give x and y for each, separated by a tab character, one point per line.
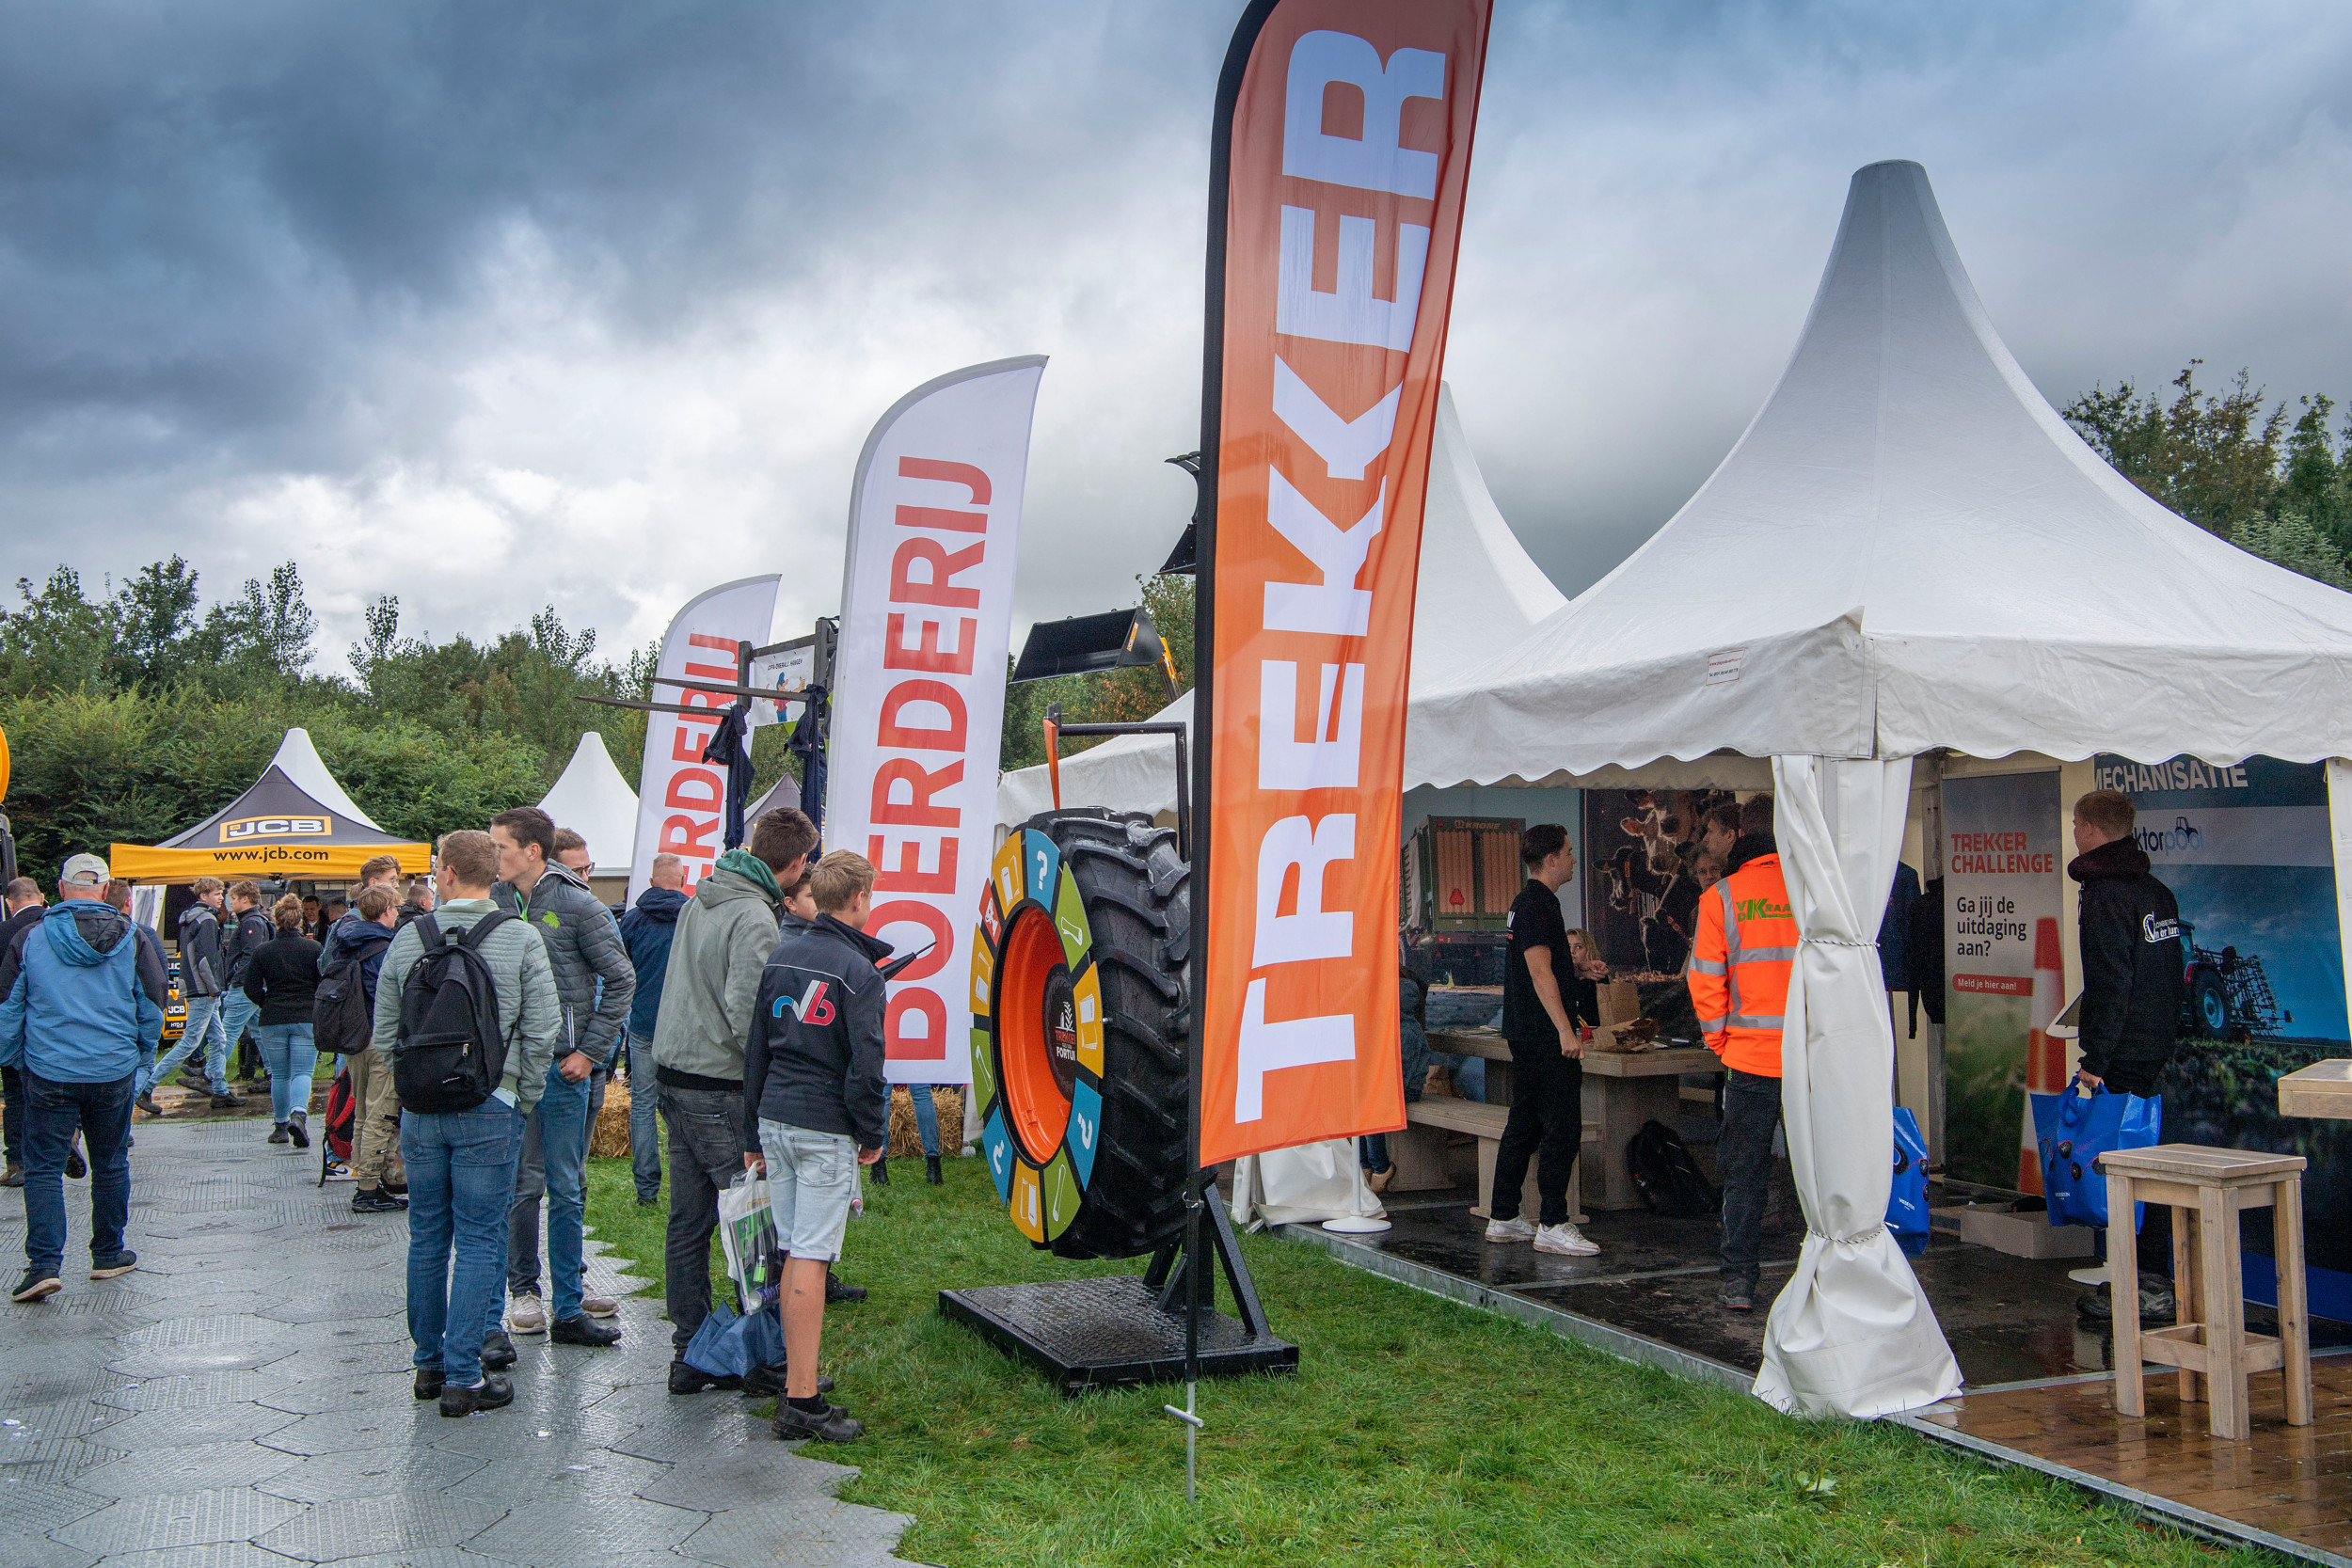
1183	799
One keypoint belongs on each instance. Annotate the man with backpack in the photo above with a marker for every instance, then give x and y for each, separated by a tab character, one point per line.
345	1021
594	983
467	1012
1739	978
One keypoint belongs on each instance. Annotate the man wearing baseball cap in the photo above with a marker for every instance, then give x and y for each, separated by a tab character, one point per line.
76	1025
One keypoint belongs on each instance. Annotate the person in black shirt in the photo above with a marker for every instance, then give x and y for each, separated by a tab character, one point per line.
1539	985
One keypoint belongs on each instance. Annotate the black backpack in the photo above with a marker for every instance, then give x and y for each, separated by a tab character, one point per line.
450	1054
341	1020
1668	1179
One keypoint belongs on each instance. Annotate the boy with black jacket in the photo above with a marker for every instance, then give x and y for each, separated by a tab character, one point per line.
815	1107
2130	930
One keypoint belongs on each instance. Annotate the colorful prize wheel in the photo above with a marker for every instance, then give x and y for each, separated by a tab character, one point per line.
1079	986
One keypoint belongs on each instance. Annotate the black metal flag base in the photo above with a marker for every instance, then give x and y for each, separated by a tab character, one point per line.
1126	1329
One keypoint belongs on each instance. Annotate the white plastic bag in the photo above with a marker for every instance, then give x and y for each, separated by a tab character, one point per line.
747	1232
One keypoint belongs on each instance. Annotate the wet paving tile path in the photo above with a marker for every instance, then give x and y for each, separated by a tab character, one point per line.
242	1401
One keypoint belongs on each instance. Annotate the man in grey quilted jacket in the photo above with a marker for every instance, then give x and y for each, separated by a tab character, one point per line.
596	980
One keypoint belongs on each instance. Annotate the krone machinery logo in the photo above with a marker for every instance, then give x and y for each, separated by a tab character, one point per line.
244	830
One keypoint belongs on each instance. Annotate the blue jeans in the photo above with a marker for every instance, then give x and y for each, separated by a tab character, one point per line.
925	1118
644	1119
554	1148
1468	1076
287	1052
236	1013
204	1029
461	1174
51	1112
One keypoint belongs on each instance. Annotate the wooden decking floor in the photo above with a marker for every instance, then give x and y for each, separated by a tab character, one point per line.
2294	1482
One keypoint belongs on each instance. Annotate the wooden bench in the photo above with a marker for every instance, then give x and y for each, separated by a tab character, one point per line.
1485	1123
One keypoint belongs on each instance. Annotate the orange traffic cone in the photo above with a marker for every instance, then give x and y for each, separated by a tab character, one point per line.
2045	1058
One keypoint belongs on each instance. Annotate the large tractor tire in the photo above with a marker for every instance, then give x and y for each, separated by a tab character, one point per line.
1080	992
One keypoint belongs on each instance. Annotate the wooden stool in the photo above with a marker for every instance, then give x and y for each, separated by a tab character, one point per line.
2206	1189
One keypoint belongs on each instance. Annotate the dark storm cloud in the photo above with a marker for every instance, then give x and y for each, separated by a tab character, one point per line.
601	297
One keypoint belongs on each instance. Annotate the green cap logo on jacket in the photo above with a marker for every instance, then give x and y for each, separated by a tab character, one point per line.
548	918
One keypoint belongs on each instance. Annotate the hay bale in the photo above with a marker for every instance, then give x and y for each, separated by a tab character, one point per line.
906	1142
610	1138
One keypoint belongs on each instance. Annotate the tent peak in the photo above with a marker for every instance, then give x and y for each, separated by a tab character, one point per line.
299	760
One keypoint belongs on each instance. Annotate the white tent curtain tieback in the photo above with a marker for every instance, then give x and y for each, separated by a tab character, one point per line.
1851	1334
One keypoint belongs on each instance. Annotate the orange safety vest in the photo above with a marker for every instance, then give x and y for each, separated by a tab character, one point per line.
1740	965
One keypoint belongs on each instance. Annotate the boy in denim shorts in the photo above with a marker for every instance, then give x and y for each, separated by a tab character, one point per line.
816	1106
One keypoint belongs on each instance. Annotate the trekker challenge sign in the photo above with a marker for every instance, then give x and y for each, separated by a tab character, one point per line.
918	693
2004	970
1339	163
681	800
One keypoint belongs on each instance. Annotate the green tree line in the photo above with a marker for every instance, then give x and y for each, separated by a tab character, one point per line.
138	711
2277	484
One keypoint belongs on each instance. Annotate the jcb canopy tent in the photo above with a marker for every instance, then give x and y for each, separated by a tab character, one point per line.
293	822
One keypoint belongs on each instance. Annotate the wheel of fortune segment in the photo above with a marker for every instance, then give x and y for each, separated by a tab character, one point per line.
1079	980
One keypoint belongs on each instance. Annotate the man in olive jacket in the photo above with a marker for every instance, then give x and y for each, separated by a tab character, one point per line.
709	994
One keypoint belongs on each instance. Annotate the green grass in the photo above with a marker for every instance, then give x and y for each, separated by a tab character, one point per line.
1416	1431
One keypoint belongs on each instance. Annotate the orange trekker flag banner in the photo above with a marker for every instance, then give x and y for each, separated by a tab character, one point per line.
1342	151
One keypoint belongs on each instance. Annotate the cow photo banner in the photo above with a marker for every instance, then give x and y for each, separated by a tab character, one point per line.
681	800
1341	152
919	691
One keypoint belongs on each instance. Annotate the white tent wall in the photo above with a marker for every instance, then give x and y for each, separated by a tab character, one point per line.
594	801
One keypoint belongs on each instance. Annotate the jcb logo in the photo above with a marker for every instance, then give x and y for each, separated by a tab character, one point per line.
1760	909
245	829
811	1008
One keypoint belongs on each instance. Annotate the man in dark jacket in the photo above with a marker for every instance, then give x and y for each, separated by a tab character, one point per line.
816	1106
594	978
645	931
2130	930
22	898
250	930
204	985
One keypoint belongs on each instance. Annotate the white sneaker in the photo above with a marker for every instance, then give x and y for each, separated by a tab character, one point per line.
526	1315
2094	1275
1510	1230
1566	1240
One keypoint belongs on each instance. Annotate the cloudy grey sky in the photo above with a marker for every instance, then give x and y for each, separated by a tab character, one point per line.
592	304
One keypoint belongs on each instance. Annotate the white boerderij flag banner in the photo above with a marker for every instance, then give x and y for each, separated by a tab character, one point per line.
681	800
919	691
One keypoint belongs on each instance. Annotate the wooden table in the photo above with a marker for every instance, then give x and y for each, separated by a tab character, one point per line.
2320	1089
1622	1091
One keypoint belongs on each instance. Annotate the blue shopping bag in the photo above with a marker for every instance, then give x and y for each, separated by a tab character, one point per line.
717	1347
1907	1199
2072	1131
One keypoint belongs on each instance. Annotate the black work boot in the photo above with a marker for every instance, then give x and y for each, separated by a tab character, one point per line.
835	1290
881	1171
498	1350
685	1379
493	1393
830	1424
582	1329
930	1170
428	1384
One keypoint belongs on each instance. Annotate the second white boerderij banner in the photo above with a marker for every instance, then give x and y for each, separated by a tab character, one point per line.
918	694
681	800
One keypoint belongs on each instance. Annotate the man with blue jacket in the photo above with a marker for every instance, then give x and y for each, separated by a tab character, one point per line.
75	1026
645	931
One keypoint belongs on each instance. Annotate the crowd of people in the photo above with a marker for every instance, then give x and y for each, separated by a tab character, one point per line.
1734	944
478	1015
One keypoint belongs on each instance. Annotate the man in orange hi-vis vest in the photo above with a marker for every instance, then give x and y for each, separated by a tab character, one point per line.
1740	965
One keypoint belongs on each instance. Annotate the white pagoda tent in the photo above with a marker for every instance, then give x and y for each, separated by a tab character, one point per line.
1908	552
1477	593
594	801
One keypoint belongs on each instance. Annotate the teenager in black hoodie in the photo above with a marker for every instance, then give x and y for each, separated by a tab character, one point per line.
816	1108
2130	930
